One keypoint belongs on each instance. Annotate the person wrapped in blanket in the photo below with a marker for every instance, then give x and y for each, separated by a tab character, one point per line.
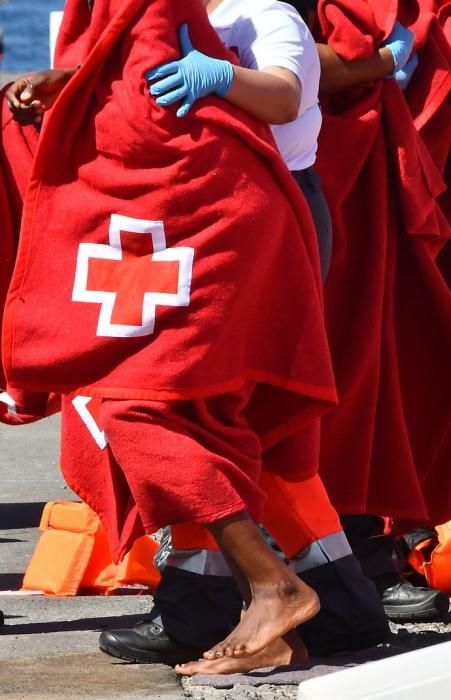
372	539
277	82
31	96
330	565
232	523
269	37
289	94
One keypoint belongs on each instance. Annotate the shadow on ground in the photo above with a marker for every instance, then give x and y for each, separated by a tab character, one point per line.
11	582
80	625
16	516
419	639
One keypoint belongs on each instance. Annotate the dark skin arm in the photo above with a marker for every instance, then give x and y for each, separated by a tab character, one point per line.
338	75
31	95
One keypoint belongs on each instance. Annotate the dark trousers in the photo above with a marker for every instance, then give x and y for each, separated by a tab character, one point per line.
310	183
374	548
199	610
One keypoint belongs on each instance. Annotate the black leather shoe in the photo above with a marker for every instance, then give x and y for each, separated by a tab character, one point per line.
146	643
406	603
2	619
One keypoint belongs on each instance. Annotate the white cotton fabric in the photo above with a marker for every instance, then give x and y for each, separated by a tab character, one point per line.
271	33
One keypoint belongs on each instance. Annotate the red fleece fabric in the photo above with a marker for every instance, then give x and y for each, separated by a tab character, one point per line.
429	91
255	259
131	482
175	453
297	511
163	261
93	473
17	147
388	310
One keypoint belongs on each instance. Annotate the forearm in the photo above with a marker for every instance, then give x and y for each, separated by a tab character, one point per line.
272	95
338	74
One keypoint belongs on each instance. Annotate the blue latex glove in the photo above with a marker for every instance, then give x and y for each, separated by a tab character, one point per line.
404	75
400	42
195	75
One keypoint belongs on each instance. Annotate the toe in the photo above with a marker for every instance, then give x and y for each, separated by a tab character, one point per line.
185	669
240	650
210	654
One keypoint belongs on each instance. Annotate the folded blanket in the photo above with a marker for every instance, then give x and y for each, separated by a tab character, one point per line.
162	258
388	309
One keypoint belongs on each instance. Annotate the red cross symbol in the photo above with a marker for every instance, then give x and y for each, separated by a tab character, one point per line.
131	276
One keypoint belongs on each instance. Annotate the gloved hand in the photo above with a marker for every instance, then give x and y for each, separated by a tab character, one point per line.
404	75
400	42
193	76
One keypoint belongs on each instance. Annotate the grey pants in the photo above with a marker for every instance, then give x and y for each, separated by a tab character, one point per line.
310	183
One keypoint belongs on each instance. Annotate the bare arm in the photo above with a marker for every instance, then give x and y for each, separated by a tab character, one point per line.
338	74
272	95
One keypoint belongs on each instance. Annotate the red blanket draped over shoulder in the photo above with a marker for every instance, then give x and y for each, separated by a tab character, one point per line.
162	258
388	308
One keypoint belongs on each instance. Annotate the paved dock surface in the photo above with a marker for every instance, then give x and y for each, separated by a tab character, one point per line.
48	647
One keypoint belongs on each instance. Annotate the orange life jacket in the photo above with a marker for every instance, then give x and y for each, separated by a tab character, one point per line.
432	558
73	555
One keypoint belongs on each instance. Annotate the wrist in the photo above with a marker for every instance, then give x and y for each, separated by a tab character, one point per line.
227	76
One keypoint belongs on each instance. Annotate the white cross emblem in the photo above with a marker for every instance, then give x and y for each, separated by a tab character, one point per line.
131	276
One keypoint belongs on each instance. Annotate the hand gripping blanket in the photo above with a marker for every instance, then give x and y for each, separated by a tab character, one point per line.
162	258
388	310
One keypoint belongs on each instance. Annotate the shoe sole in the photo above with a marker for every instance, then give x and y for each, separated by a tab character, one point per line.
149	657
396	613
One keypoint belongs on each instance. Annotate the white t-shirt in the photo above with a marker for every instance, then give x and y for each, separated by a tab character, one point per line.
270	33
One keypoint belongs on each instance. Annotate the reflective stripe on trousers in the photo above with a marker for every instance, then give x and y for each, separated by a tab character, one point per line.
212	563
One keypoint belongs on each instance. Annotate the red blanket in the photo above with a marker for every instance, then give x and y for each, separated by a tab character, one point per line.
428	93
388	309
17	148
160	257
429	97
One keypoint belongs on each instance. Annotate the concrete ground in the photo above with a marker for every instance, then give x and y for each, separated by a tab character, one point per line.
48	647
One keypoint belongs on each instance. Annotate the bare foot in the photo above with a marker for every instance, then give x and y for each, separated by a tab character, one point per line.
285	651
275	609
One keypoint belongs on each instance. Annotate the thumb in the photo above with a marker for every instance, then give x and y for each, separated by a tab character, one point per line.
33	83
185	41
27	93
